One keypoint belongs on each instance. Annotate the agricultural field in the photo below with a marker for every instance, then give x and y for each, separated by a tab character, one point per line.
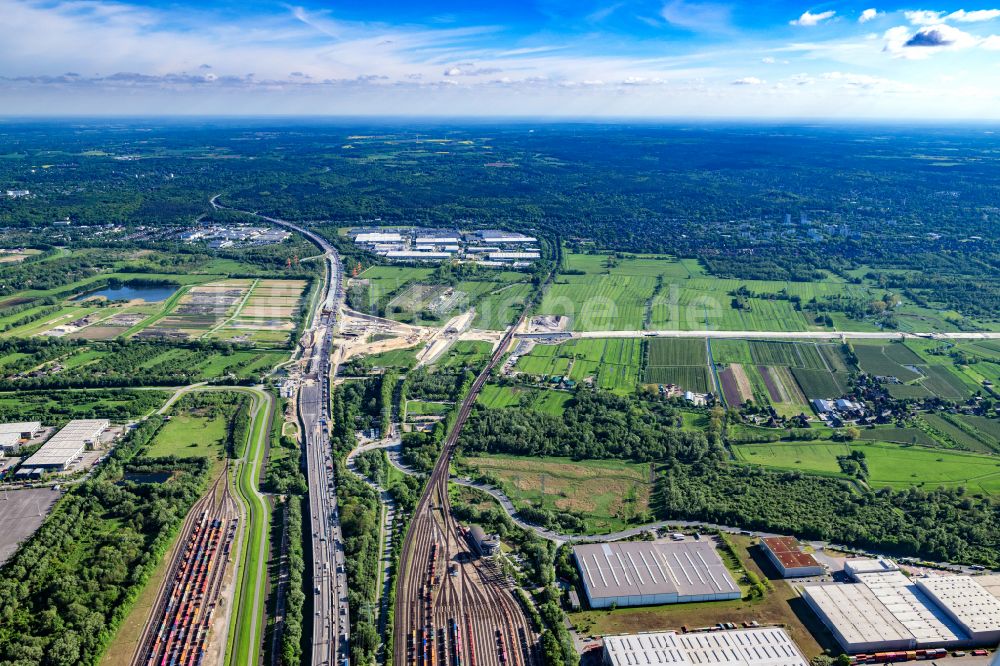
247	311
889	464
972	433
926	369
788	374
607	494
679	361
635	292
209	306
611	364
550	401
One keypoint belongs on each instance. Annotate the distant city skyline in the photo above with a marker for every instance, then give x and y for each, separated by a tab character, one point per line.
558	58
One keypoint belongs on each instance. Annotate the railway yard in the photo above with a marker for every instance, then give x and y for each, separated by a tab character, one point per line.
182	620
453	605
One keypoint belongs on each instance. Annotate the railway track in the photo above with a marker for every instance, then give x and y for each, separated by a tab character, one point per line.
453	607
182	618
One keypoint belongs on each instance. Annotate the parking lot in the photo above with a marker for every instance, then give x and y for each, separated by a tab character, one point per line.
21	512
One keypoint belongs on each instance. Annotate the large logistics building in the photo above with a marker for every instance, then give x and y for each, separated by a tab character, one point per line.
888	611
66	445
11	434
645	573
787	556
968	603
765	646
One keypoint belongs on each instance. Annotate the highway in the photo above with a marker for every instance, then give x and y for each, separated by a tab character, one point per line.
330	634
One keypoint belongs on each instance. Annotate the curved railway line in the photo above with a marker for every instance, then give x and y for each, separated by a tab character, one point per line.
453	607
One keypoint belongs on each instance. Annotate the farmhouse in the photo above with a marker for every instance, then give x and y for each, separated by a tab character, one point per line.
765	646
788	558
649	573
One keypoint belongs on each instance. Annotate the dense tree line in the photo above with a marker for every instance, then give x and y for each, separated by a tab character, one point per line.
115	363
57	407
594	424
940	524
291	636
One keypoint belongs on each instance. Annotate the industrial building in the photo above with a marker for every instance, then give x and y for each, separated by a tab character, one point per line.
765	646
378	237
495	236
485	545
968	603
23	429
643	573
862	566
787	556
925	620
65	446
513	256
888	611
857	619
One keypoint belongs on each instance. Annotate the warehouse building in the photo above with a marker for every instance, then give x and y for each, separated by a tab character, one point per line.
857	619
925	620
23	429
787	556
888	611
494	236
644	573
766	646
408	255
863	566
378	237
65	446
513	256
968	603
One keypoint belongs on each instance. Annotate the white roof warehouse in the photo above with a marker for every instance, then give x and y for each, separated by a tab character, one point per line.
67	444
643	573
766	646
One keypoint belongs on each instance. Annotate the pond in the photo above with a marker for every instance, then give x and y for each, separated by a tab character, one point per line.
126	293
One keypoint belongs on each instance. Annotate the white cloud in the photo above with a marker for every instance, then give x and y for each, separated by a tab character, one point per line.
991	43
698	16
974	16
810	19
926	41
868	15
748	81
927	17
768	60
923	17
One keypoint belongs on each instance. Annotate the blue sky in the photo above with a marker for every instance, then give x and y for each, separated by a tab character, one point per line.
610	58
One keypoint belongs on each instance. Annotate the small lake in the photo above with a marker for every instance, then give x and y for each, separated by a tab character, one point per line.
148	294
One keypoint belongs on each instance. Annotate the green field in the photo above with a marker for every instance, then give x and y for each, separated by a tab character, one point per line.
465	353
188	435
677	351
927	369
608	494
542	400
889	464
688	377
611	364
422	408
